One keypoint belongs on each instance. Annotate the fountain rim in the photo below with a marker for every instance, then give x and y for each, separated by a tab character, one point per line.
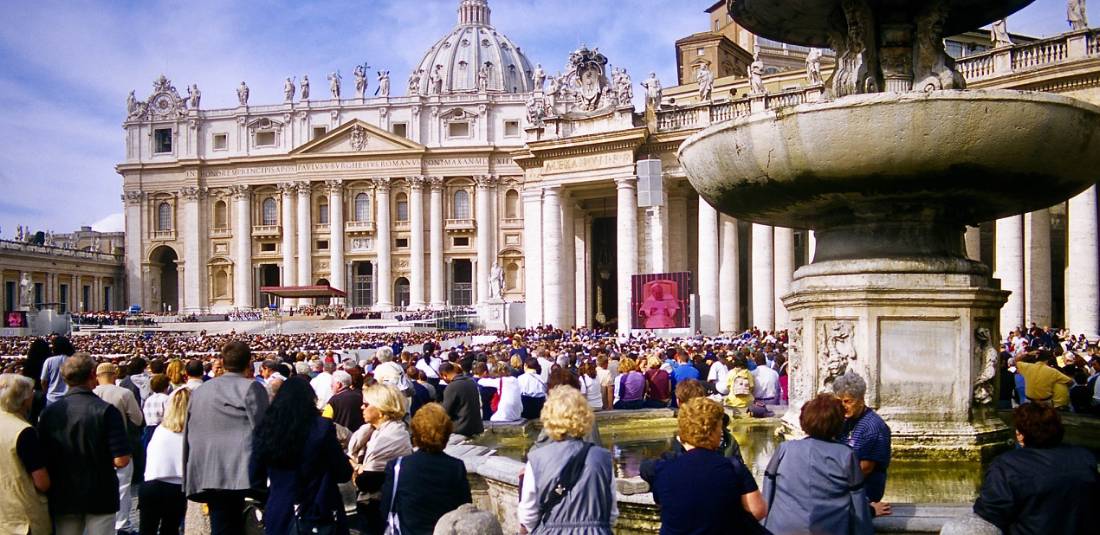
888	99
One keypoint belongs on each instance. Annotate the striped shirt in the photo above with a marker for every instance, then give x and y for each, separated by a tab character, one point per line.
869	436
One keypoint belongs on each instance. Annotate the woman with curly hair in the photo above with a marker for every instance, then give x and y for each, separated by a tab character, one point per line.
297	450
567	484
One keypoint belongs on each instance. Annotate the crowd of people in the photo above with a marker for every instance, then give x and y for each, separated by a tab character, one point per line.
103	319
286	420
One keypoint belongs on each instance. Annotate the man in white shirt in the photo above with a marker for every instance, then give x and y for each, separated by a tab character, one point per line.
124	401
717	377
545	364
194	371
765	382
322	384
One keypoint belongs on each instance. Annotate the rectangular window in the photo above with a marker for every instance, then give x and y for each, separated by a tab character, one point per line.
265	139
461	242
221	141
162	140
511	128
402	243
457	130
700	52
322	214
322	245
401	129
319	131
267	247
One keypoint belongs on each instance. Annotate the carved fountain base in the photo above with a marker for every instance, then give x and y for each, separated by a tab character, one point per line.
909	326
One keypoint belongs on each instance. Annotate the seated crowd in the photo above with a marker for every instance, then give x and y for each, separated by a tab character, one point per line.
291	426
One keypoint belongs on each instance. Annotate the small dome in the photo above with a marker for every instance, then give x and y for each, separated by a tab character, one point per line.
474	45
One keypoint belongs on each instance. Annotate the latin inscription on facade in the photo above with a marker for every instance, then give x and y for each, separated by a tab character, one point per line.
586	163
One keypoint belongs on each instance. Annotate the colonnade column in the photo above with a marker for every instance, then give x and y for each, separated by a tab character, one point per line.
784	271
416	243
1083	271
568	263
708	268
532	255
135	248
192	269
485	235
1038	294
729	288
242	246
552	261
627	245
290	267
436	238
384	288
305	234
811	246
1010	270
677	232
338	275
657	257
763	277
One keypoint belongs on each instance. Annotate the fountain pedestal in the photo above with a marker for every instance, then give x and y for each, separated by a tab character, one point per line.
910	327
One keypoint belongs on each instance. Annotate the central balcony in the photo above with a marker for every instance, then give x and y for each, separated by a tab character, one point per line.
460	226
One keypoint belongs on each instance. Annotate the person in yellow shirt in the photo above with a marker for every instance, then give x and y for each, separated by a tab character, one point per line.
740	383
1044	384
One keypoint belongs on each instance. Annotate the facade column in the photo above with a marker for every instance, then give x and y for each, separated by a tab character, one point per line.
811	246
553	264
242	246
290	267
974	243
657	257
784	271
190	230
305	236
627	245
677	233
582	246
763	278
76	301
729	288
338	275
708	296
1083	272
135	249
1038	297
1010	270
532	255
485	226
384	288
436	231
569	262
416	243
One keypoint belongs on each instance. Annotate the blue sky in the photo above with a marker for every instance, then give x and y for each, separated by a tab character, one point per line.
68	66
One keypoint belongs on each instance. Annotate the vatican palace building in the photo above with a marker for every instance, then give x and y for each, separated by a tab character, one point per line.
485	168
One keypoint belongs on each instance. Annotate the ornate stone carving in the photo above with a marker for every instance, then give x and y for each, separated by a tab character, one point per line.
133	197
305	87
415	182
305	189
536	109
835	350
932	68
435	81
163	103
192	193
539	78
288	90
240	191
653	91
985	360
496	281
242	94
414	83
487	181
813	66
382	183
360	75
587	72
436	182
1076	16
705	79
358	137
335	187
794	361
756	75
383	84
334	80
624	87
194	96
287	189
999	36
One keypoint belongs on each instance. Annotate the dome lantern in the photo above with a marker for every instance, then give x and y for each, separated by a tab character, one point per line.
474	13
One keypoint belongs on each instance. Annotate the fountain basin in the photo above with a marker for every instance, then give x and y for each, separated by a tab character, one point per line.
940	158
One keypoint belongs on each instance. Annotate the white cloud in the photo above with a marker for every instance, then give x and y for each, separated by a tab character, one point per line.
115	222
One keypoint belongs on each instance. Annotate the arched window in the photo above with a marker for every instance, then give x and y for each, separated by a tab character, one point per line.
511	276
402	207
362	207
221	283
270	213
511	204
462	205
220	215
322	210
164	216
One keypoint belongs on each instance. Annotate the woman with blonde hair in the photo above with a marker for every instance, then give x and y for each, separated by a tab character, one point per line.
630	386
21	464
566	485
160	500
383	439
176	377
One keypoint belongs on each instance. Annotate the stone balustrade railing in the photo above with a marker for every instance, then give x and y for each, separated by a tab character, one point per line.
1008	60
20	247
697	116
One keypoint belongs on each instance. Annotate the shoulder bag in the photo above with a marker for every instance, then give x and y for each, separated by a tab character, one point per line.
567	479
393	521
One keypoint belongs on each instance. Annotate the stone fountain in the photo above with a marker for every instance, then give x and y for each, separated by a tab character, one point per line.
887	171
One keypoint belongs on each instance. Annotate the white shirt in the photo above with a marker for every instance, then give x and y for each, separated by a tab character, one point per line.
717	373
592	391
154	408
164	457
546	365
510	406
531	385
765	383
430	370
322	385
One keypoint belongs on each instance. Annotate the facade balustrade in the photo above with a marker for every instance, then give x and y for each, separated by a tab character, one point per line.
265	230
166	235
460	225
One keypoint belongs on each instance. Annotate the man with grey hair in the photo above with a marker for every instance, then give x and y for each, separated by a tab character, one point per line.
867	434
345	407
468	520
22	465
84	442
322	384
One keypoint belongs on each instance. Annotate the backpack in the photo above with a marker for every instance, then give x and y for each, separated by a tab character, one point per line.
739	385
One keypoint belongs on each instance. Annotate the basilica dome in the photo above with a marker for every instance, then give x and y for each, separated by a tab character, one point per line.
472	53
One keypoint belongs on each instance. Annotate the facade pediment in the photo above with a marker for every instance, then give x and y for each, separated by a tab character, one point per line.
358	137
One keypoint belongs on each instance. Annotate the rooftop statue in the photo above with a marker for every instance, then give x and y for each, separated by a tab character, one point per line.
242	94
288	90
653	91
305	87
361	80
383	84
1076	15
999	34
194	96
813	66
705	79
334	80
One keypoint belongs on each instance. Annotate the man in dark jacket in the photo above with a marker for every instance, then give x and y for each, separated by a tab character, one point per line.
345	407
462	401
83	441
